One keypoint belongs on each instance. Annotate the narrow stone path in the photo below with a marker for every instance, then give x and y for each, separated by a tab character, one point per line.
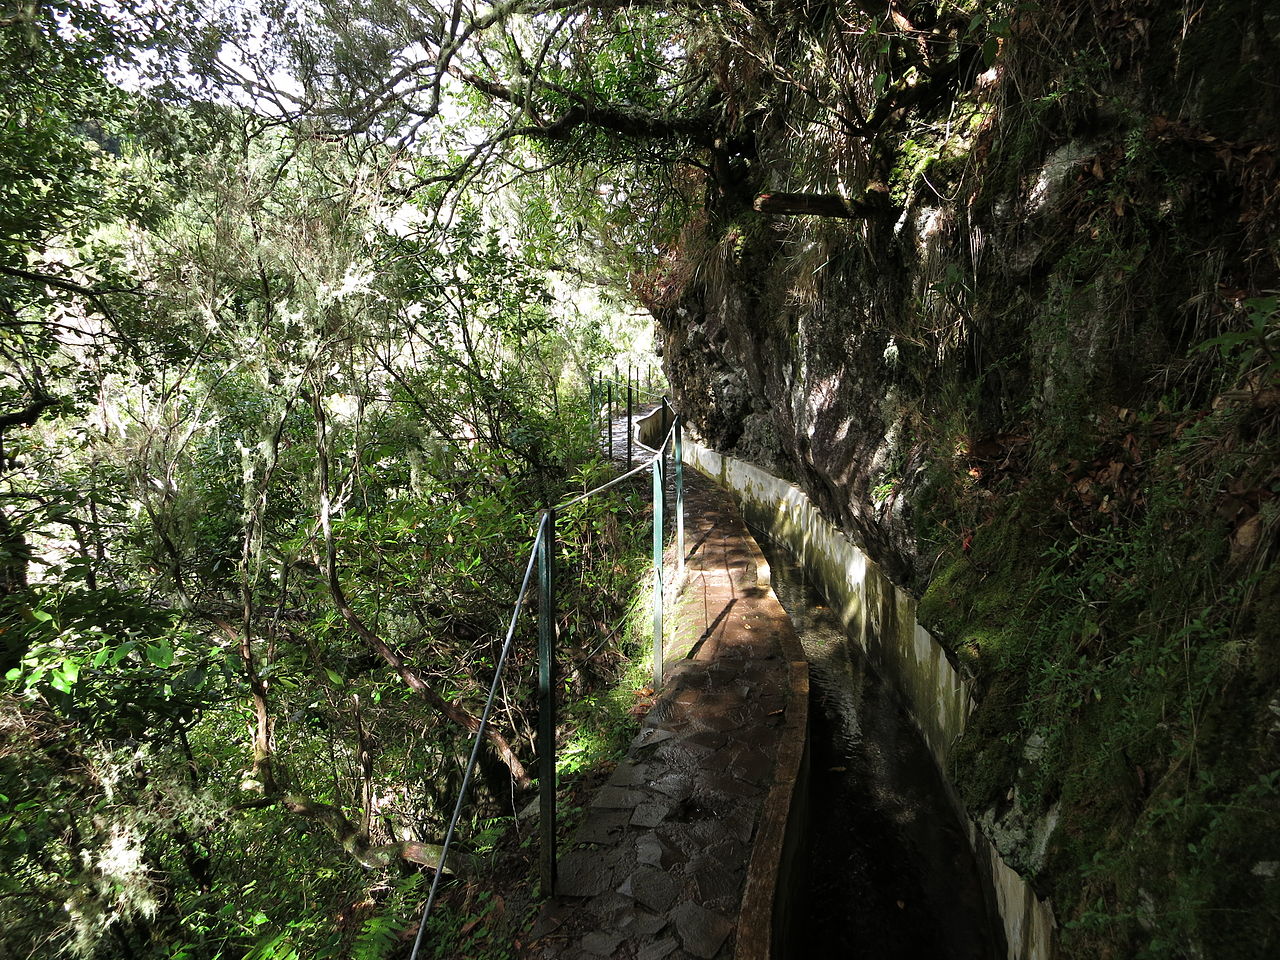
614	440
658	868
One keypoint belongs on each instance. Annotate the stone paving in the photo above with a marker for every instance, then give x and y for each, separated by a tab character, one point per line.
656	871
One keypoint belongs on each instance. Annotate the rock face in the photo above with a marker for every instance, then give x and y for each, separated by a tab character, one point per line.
807	390
1039	387
1060	230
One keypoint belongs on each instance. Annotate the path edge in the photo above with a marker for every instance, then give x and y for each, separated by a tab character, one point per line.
764	915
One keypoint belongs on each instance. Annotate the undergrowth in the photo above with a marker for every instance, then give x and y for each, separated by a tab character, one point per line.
602	694
1118	615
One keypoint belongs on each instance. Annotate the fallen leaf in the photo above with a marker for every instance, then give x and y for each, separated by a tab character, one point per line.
1246	537
471	924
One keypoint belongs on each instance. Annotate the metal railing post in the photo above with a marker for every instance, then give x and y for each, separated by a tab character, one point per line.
664	451
608	418
547	700
593	398
679	470
657	571
629	410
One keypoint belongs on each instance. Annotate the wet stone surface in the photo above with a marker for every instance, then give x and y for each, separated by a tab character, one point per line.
656	870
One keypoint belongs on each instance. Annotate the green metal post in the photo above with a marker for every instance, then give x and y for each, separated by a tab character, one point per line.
665	451
547	700
657	572
679	458
592	405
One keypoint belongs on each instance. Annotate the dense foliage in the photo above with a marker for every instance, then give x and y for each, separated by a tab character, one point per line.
277	419
1023	347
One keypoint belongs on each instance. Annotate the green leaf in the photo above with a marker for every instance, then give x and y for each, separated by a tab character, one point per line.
160	654
334	677
990	50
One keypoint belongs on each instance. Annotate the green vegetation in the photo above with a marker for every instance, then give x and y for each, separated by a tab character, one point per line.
278	408
1036	375
297	306
1107	572
1115	616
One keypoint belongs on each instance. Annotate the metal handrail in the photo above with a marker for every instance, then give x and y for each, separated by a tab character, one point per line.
657	452
541	554
475	749
652	394
604	486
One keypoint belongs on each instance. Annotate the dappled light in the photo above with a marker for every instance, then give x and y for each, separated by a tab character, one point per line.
384	385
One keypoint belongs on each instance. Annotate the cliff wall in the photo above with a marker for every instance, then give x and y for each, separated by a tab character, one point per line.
1032	368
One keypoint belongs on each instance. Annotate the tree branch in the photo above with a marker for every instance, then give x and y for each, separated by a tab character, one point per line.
819	205
353	840
62	283
29	414
412	680
627	121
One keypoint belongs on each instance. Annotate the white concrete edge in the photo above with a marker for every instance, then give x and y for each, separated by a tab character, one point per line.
881	618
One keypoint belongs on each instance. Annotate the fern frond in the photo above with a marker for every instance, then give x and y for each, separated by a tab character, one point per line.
378	936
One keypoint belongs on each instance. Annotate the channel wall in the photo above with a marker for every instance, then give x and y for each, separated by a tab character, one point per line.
881	618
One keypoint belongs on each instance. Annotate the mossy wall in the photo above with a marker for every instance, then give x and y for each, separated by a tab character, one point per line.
1042	390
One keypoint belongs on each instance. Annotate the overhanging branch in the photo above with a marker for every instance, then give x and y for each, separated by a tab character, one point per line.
818	205
628	121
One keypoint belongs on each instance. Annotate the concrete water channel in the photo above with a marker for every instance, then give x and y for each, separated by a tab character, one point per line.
887	868
881	620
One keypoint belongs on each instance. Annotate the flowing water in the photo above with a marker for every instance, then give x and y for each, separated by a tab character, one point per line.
888	870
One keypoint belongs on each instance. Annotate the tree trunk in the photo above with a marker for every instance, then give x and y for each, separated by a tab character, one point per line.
815	205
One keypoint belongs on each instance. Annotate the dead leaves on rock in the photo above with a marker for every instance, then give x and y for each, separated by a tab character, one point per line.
990	457
1115	484
644	701
1251	164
